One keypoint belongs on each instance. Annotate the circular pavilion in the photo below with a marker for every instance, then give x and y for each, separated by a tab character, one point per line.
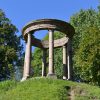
51	25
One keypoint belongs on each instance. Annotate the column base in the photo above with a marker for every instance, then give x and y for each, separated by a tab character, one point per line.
64	78
49	75
43	76
69	79
24	78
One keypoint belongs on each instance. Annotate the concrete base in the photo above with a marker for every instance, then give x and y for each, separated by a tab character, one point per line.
24	78
64	78
52	76
69	79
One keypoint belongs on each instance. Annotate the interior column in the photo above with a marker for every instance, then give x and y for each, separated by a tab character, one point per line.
51	54
44	63
69	59
64	62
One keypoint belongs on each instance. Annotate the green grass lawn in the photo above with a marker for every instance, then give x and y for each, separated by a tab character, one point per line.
47	89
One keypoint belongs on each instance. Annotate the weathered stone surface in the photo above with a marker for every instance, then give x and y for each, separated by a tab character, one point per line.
57	43
27	62
51	53
46	24
69	59
51	25
65	62
44	63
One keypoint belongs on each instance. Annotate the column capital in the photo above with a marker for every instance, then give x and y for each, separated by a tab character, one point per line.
50	30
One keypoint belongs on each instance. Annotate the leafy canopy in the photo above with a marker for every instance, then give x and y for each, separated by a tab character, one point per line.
10	47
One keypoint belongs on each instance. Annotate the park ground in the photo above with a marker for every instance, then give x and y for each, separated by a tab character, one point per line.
47	89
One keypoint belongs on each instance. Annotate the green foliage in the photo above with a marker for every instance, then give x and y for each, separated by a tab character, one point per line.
47	89
6	86
37	58
58	62
81	21
37	62
86	46
10	48
88	56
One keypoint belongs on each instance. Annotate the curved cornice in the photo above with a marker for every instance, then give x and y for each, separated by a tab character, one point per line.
48	24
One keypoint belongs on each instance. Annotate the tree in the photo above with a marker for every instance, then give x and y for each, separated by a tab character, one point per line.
10	47
86	46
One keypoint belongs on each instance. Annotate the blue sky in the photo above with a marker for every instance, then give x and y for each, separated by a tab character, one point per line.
21	12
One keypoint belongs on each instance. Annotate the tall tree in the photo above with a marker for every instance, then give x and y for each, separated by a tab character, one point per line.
86	46
10	47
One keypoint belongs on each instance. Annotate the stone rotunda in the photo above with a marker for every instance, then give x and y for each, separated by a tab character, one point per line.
51	25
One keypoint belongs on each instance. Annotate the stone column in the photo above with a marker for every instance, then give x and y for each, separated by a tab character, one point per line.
51	55
27	61
44	63
69	59
64	62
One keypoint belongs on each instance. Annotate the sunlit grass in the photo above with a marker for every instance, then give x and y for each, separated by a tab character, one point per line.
46	89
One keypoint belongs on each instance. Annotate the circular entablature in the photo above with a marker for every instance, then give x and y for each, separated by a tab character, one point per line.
47	24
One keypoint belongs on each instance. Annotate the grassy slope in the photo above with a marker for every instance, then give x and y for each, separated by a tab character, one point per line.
47	89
